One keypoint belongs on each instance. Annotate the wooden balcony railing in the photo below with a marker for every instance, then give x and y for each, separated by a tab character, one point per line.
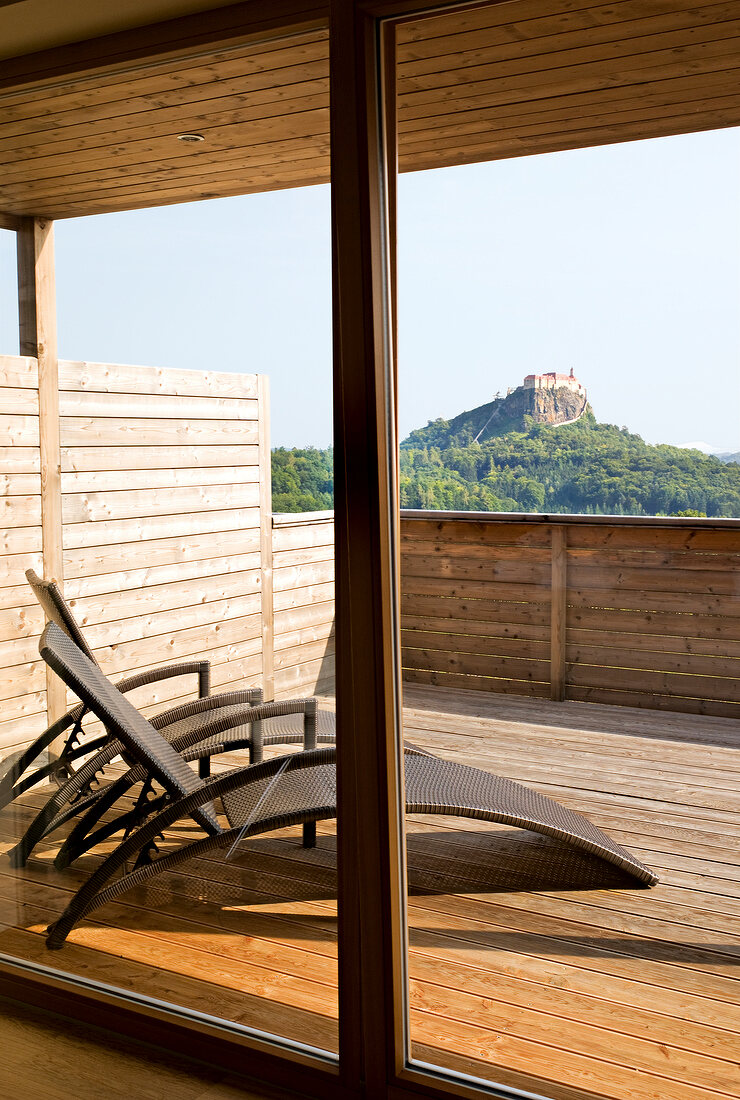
630	611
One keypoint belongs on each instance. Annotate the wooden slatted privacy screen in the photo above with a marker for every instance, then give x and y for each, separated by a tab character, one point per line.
161	526
161	515
303	585
644	613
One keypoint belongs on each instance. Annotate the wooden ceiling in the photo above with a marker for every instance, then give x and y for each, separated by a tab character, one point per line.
517	78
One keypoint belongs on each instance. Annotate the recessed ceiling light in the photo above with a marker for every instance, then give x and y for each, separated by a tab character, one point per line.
190	137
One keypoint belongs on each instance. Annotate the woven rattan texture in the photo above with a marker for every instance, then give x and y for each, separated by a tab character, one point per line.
143	742
57	610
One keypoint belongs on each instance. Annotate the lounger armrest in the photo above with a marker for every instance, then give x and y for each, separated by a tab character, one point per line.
184	668
247	698
253	716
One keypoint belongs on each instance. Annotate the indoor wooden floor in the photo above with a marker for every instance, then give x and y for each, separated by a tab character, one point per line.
622	993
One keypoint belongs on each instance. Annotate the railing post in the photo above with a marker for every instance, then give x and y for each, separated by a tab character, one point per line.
557	613
38	338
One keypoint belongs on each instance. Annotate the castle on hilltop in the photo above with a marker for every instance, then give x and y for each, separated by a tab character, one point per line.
554	381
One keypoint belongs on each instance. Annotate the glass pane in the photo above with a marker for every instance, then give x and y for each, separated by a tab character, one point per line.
176	553
568	316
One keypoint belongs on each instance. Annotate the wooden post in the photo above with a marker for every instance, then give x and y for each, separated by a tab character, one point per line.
265	483
38	337
557	614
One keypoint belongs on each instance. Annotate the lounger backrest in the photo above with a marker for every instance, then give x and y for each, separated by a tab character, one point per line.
144	744
57	610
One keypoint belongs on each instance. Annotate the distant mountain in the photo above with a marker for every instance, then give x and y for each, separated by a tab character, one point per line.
538	449
709	449
533	451
705	448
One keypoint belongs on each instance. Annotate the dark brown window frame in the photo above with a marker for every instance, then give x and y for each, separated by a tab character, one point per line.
372	933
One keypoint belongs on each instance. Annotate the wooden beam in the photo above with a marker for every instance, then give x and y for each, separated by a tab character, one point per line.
265	504
38	338
10	221
557	614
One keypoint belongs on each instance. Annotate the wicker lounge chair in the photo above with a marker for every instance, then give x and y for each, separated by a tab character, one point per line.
288	790
16	781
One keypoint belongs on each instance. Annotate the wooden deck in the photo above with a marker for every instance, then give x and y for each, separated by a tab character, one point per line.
610	992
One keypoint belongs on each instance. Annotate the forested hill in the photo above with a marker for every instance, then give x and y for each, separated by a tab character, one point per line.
584	467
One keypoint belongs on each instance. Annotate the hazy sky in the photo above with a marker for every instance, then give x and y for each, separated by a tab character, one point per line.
622	262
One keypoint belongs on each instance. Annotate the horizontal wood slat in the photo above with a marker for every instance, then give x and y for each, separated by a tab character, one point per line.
115	532
18	371
186	516
176	457
124	431
83	377
103	406
93	564
140	503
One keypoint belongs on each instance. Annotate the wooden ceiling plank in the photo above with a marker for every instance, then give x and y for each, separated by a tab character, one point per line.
145	199
87	93
166	127
206	180
210	97
575	52
511	79
468	153
724	110
218	140
550	32
94	183
726	56
667	51
118	151
530	18
688	90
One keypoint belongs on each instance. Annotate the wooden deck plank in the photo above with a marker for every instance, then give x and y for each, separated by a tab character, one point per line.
600	992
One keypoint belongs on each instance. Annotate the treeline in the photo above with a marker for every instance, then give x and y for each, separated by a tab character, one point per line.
302	479
585	467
